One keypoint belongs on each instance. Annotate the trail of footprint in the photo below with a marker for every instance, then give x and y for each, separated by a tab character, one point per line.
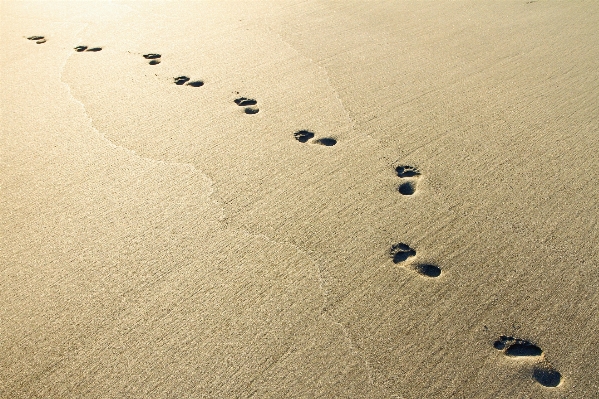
401	253
80	49
303	136
37	39
543	372
153	57
181	80
248	103
410	176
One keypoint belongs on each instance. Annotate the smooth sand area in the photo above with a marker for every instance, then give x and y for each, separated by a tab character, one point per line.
300	199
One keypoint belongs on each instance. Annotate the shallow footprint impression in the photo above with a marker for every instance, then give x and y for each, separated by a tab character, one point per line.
543	372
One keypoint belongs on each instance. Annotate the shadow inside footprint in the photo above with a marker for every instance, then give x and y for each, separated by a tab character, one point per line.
543	372
180	80
517	347
407	188
407	171
79	49
243	101
151	56
154	62
327	141
251	111
401	252
428	270
303	136
547	376
523	349
37	39
196	83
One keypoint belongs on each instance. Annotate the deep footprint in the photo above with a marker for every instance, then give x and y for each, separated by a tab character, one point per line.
406	171
303	136
427	270
411	174
180	80
547	376
517	347
401	252
543	372
37	39
153	57
80	49
251	111
196	83
244	102
326	141
407	188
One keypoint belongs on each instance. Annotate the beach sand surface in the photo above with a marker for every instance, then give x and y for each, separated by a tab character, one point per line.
160	240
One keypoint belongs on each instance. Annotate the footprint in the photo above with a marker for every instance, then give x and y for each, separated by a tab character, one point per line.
401	252
326	141
37	39
427	270
411	175
243	101
153	57
303	136
80	49
547	376
248	103
404	171
517	347
185	80
543	372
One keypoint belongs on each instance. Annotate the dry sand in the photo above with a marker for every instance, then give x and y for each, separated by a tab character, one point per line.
158	242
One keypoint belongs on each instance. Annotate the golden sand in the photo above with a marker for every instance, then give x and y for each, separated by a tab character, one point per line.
299	199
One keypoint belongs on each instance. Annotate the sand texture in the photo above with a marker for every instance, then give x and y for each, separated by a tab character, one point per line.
299	199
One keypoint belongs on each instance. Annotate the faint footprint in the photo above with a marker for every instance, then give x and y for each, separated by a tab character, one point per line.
303	136
37	39
80	49
410	176
401	253
153	57
248	103
543	372
181	80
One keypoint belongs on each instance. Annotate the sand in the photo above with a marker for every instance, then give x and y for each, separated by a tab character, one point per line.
432	233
